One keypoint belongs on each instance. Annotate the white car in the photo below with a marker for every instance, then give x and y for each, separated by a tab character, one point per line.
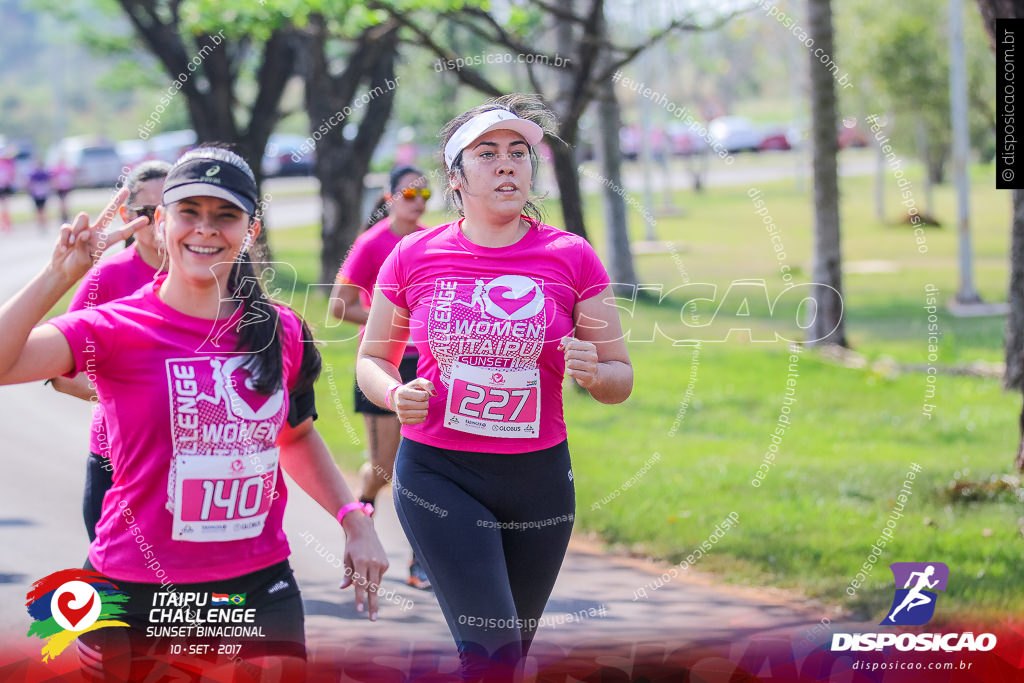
735	133
94	162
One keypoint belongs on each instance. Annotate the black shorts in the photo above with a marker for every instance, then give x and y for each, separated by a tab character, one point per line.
181	622
6	190
40	203
407	370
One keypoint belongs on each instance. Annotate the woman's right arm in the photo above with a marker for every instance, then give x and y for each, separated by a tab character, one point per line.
345	304
384	341
78	386
29	353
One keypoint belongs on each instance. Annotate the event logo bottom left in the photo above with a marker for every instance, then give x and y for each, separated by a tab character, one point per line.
70	602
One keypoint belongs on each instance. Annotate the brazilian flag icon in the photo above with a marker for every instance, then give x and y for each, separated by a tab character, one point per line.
237	599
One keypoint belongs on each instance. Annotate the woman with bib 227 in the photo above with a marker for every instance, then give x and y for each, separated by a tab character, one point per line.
501	308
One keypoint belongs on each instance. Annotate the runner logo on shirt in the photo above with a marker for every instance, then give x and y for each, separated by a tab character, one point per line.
215	410
486	336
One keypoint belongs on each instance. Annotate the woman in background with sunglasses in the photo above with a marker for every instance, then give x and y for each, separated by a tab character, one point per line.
110	279
395	216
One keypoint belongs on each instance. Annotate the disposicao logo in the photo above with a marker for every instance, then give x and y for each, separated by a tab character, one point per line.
913	604
71	602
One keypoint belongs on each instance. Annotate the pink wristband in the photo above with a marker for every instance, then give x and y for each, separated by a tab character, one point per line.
387	397
367	509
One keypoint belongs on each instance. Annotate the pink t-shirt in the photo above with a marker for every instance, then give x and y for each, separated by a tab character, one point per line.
487	322
7	171
111	278
188	440
365	259
63	177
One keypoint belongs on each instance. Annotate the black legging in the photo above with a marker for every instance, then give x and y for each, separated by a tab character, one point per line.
99	477
491	531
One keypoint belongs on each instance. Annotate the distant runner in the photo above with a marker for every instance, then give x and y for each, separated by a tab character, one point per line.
394	217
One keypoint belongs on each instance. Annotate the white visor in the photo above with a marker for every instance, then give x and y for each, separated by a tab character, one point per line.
495	119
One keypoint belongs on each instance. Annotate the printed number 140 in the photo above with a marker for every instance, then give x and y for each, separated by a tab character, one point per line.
238	496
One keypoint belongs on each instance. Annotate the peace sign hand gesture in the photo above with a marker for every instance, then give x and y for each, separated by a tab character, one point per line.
81	244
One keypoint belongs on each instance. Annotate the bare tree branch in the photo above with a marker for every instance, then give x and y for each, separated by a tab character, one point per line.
557	12
276	68
632	52
163	39
469	76
532	75
500	35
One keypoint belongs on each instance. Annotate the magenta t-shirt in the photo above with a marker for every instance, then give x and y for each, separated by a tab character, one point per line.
365	259
487	322
197	492
367	256
110	279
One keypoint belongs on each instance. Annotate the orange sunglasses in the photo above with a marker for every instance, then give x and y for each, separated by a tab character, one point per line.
411	192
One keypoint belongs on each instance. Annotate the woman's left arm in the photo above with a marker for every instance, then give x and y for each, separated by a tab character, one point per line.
306	459
596	357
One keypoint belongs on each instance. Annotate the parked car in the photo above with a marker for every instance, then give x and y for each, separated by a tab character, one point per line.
774	140
852	135
684	141
278	157
849	134
132	152
169	146
735	133
94	162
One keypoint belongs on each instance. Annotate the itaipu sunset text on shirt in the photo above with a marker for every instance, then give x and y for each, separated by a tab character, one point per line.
487	322
192	442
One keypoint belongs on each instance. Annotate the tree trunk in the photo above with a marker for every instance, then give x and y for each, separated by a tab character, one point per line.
921	142
568	179
1014	337
342	164
619	255
566	169
936	167
828	326
341	195
966	292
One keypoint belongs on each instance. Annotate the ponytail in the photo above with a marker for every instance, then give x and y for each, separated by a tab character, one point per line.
379	213
259	336
257	329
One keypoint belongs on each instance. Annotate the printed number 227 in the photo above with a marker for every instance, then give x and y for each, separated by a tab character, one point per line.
499	398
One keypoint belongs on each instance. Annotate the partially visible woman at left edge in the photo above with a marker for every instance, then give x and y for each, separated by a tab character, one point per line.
196	389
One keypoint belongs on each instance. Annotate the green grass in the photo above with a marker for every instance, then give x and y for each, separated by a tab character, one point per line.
854	432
